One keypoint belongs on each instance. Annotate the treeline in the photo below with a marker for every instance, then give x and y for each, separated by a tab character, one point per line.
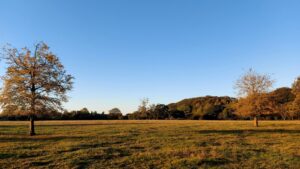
207	108
83	114
280	104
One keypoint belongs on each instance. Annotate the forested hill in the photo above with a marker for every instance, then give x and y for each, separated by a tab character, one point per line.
208	107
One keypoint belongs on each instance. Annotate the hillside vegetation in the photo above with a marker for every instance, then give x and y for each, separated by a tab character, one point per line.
208	107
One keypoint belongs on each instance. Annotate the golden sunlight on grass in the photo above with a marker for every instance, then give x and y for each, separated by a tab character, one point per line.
151	144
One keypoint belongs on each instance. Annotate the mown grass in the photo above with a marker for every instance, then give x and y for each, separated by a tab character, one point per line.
151	144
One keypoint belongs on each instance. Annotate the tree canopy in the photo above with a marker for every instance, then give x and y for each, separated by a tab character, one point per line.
34	82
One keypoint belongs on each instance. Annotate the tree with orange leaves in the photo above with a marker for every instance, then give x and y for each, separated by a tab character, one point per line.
254	101
34	82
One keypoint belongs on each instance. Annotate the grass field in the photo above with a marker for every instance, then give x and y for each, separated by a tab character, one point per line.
151	144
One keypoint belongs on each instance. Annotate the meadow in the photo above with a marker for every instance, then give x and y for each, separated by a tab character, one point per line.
151	144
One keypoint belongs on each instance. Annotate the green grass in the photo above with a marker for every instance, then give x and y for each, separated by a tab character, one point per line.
151	144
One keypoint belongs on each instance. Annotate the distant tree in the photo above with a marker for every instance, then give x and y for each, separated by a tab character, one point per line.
211	111
85	110
255	106
296	86
143	109
282	97
294	107
252	83
187	109
34	81
115	114
252	88
176	114
228	112
83	114
115	111
161	112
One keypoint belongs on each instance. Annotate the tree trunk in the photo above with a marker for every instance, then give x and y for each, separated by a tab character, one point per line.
31	127
256	121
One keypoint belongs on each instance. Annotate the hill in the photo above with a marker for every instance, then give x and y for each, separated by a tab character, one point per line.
208	107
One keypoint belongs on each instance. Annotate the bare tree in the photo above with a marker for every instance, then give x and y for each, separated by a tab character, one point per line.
34	81
252	88
144	106
252	83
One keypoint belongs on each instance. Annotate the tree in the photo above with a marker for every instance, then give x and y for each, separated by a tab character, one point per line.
85	110
294	107
34	81
176	114
283	97
255	106
227	113
115	113
296	86
252	83
252	88
160	112
187	109
143	109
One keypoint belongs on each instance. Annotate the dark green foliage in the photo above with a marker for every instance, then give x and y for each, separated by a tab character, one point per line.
227	113
115	114
283	95
209	107
154	112
177	114
83	114
160	111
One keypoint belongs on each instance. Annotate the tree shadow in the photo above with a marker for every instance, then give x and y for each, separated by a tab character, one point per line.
10	126
77	124
40	163
213	162
4	156
110	153
251	131
93	124
39	138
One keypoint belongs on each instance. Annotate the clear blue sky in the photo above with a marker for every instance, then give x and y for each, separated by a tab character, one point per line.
123	50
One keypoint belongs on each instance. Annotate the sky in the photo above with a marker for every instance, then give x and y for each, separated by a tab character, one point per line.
121	51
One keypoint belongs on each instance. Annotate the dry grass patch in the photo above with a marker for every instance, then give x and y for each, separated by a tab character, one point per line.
151	144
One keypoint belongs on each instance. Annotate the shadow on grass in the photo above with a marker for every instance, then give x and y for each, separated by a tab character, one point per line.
40	163
252	131
76	124
213	162
92	124
4	156
108	155
11	126
20	138
85	146
21	155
